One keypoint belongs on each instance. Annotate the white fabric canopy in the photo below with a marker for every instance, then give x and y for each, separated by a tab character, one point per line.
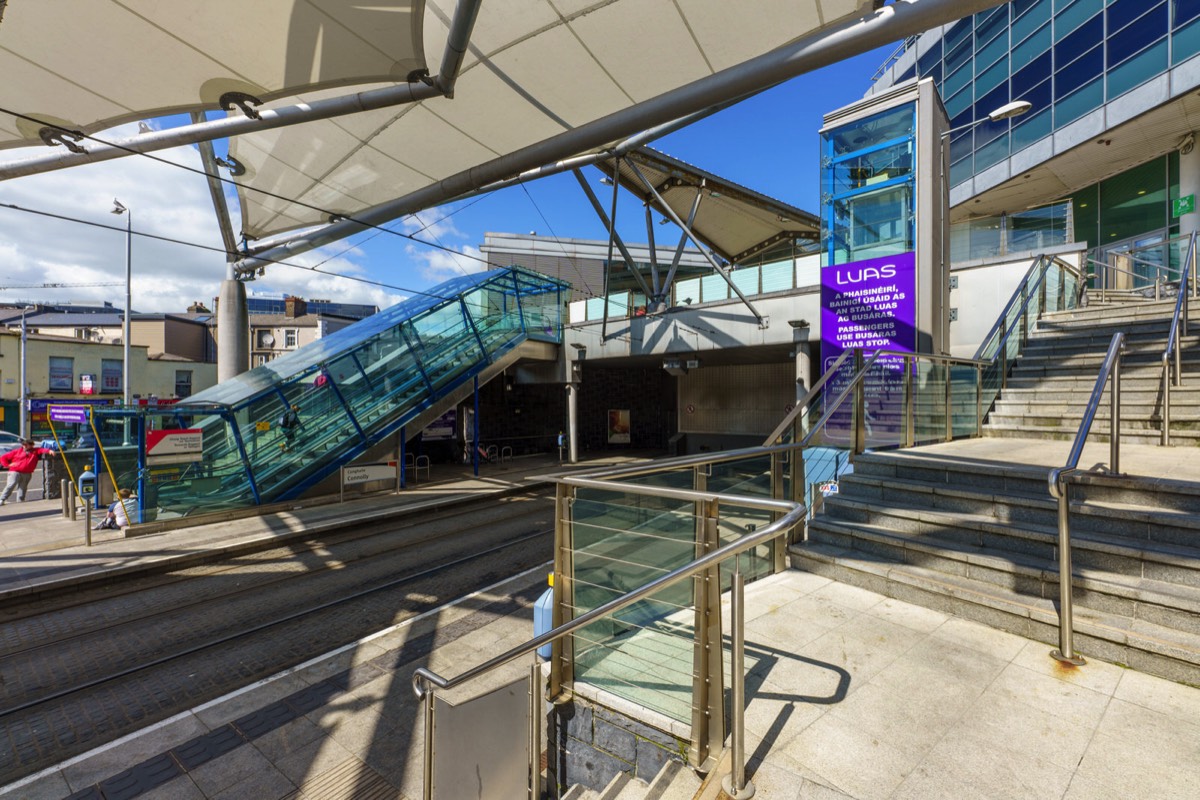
535	68
92	64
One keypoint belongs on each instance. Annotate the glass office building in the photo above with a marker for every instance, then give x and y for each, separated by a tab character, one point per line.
1087	67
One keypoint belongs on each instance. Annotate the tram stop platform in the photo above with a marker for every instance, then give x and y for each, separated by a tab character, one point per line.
852	695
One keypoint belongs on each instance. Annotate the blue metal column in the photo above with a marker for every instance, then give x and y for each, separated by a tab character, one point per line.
231	421
475	453
141	468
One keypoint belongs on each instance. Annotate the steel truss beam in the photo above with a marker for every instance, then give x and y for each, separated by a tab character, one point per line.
688	231
613	236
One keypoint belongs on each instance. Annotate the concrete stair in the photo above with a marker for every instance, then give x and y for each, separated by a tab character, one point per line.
673	782
1050	385
979	540
977	536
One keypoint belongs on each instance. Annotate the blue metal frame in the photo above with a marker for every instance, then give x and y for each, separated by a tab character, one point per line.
346	407
241	446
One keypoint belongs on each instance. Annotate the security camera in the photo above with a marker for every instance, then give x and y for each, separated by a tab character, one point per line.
1188	144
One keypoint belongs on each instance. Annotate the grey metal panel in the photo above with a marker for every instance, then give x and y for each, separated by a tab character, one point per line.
481	747
736	399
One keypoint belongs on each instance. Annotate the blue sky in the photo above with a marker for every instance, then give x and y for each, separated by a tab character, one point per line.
768	143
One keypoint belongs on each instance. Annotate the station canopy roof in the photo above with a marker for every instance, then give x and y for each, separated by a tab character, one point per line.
736	222
534	68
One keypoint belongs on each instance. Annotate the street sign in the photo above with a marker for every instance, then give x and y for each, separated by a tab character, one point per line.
76	414
1184	205
362	473
174	446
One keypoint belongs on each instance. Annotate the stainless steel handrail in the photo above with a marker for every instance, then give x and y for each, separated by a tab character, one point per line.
793	514
1017	294
777	434
1173	345
1059	477
800	408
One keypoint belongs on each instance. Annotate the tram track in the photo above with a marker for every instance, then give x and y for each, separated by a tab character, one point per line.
100	611
63	695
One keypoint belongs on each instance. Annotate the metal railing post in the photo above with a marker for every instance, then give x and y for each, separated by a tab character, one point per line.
910	417
735	784
1066	646
1114	390
978	401
859	432
535	729
708	671
1024	315
427	703
562	661
779	492
1165	439
949	374
1003	354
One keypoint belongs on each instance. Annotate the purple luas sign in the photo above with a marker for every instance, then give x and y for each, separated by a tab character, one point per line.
869	304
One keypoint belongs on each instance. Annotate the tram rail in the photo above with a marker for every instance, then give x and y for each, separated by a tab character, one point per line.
51	691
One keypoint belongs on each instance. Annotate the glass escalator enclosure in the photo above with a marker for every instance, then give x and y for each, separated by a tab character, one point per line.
352	389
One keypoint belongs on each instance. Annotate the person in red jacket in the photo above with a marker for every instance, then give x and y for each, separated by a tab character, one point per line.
20	464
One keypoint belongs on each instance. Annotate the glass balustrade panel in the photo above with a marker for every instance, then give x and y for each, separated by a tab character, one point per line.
643	653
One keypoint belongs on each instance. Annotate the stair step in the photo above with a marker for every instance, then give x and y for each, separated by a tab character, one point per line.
1142	645
615	788
1181	438
674	782
1136	526
1157	602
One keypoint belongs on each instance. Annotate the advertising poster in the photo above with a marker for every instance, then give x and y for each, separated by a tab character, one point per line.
441	428
871	305
618	426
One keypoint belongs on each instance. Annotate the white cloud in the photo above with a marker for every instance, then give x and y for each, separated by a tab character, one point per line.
445	257
165	201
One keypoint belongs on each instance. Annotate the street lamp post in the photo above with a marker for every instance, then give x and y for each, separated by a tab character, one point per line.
24	398
1006	111
127	400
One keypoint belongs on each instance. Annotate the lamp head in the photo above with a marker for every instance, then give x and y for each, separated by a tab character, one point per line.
1009	110
118	208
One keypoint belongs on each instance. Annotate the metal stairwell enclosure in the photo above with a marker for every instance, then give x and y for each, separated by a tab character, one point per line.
626	538
354	389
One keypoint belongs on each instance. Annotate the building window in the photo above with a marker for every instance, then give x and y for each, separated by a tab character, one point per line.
110	376
259	360
183	383
62	374
289	338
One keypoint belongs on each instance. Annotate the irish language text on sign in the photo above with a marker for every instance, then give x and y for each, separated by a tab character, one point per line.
869	304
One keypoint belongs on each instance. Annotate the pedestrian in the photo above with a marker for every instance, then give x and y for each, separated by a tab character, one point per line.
20	463
117	516
289	423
